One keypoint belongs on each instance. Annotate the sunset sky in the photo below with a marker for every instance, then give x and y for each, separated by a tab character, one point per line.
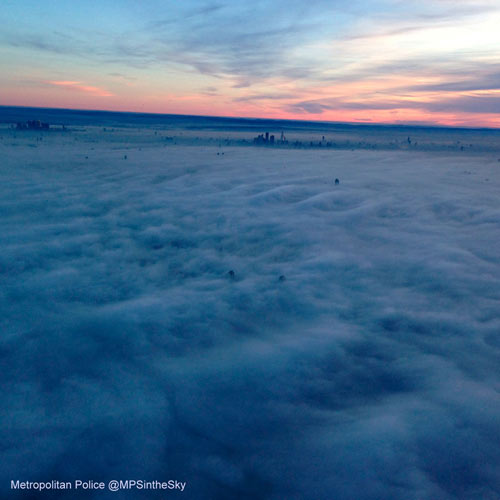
389	61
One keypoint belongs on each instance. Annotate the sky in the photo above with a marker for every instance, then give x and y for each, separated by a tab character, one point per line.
364	61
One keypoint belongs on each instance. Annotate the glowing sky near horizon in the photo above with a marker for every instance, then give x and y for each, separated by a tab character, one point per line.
390	61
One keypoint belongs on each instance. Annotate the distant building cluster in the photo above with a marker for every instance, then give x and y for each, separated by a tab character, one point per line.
32	125
269	139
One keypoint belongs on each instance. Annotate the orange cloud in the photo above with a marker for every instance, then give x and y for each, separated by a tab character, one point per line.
78	87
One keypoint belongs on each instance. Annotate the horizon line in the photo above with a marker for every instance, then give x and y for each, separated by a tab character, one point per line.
328	122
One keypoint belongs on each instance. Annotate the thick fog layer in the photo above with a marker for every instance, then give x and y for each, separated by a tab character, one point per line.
353	353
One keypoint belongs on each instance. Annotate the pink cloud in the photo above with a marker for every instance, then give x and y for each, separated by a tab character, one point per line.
78	87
